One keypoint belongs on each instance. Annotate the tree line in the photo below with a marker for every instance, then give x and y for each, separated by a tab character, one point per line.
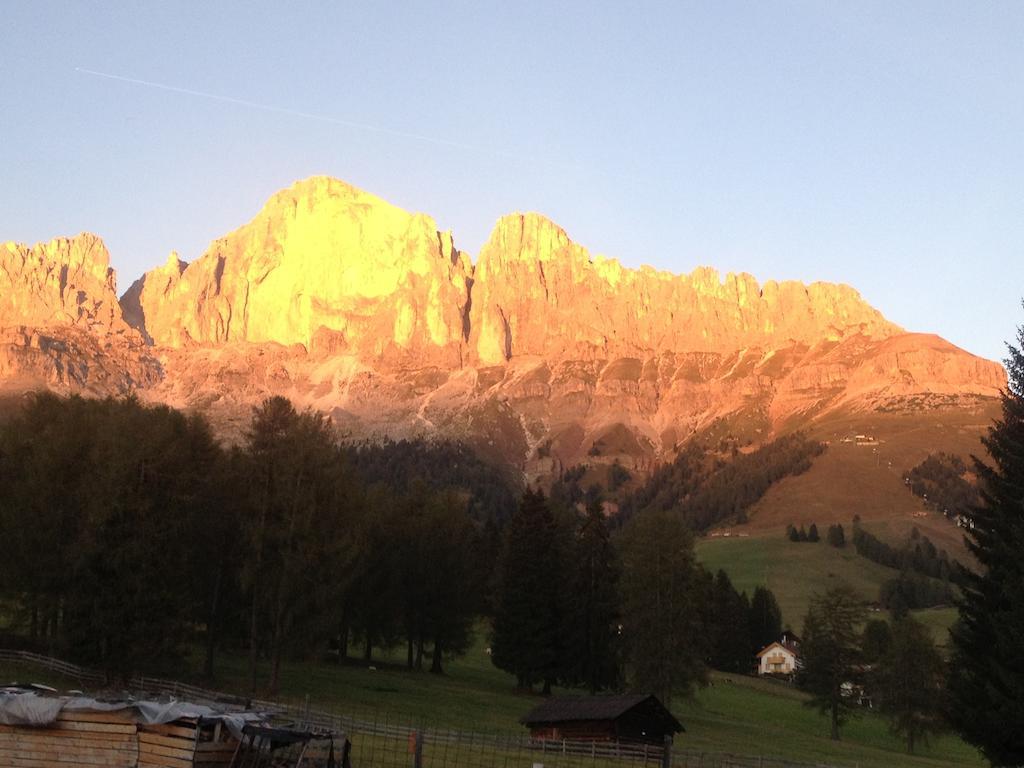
917	554
128	532
706	490
129	535
580	605
926	576
801	534
941	480
848	662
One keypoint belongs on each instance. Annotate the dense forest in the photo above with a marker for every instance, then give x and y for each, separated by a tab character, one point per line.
928	576
128	531
941	481
491	493
917	554
707	490
129	535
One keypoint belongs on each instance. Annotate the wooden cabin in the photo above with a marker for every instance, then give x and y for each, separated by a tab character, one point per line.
637	718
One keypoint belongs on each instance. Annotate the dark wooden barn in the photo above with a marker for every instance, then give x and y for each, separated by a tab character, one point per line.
626	718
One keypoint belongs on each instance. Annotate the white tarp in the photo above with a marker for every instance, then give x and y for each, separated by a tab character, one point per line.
19	707
28	708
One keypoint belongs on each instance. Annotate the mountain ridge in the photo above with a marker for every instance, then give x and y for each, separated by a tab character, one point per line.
352	233
537	352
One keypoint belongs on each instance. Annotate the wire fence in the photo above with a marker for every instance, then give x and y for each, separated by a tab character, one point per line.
379	741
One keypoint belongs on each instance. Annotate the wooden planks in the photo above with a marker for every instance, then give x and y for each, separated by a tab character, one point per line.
168	745
216	747
83	739
80	739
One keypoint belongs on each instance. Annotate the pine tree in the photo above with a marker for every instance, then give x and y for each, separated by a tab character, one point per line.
987	678
830	651
765	619
299	492
875	640
664	600
527	634
591	629
909	683
730	627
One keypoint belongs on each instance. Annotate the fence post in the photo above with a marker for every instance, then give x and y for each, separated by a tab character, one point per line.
417	752
666	753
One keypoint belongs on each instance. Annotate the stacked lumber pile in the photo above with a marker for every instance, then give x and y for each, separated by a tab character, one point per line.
185	743
114	740
216	746
80	739
172	745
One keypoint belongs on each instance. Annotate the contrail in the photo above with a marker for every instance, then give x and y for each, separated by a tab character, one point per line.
286	111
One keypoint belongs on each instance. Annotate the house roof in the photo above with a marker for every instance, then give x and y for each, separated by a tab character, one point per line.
788	648
562	709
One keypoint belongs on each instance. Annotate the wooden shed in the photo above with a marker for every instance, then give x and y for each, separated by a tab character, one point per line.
624	718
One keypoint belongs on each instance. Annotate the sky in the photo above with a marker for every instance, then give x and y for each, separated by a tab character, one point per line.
875	144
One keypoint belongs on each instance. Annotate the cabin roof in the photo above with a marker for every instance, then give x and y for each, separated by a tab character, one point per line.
563	709
776	644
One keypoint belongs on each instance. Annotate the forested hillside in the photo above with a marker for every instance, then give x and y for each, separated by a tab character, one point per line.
707	489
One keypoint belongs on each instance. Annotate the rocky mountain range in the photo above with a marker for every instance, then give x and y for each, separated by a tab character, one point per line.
537	352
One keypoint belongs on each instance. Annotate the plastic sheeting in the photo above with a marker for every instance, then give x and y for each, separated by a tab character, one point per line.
19	707
28	708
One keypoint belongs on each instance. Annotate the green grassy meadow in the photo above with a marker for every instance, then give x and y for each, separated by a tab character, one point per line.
793	571
735	714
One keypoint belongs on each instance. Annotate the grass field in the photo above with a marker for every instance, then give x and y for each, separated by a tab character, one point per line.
866	480
794	572
735	714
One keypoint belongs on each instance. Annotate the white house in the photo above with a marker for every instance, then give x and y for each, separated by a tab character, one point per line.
777	659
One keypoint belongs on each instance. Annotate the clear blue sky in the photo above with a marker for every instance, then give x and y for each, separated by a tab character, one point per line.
877	144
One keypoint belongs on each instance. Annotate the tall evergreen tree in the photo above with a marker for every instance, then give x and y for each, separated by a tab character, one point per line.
664	605
297	539
730	627
527	634
909	681
591	629
875	640
830	651
765	619
450	593
987	677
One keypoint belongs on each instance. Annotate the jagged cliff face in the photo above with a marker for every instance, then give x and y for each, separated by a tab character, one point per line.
343	272
60	322
539	354
323	265
538	293
65	282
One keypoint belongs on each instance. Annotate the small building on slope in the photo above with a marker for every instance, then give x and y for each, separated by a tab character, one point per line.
781	657
638	718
